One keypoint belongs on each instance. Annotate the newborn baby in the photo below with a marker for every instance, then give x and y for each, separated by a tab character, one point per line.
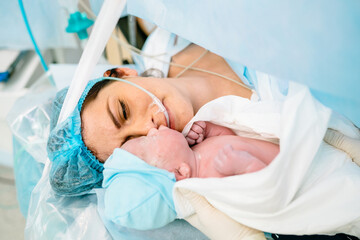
218	152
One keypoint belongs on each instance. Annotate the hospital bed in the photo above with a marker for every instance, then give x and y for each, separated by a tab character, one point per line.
294	60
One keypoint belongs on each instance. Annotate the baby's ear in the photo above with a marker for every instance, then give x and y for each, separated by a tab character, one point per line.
183	171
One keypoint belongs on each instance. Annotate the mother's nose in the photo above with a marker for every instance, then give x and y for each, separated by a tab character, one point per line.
139	128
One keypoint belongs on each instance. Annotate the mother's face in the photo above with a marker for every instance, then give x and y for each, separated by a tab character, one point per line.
121	112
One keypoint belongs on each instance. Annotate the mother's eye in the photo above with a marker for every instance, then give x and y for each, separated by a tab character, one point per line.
124	110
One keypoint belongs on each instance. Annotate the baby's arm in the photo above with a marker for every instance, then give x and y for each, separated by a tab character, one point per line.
233	162
201	130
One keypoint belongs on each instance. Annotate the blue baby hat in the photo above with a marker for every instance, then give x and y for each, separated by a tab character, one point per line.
137	195
74	169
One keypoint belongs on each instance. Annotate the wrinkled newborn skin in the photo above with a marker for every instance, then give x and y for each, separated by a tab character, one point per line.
216	156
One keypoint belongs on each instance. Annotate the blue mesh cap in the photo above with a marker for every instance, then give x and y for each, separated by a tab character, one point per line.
74	170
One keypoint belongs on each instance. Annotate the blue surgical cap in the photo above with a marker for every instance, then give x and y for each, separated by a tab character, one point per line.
137	195
74	169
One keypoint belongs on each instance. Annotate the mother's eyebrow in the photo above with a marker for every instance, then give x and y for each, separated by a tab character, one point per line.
115	121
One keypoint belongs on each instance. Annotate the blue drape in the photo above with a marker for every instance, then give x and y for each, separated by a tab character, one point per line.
315	42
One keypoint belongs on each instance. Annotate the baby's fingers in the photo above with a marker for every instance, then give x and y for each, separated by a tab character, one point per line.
200	138
198	127
192	135
190	141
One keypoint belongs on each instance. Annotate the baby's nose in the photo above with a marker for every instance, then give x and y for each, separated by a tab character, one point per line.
152	132
163	127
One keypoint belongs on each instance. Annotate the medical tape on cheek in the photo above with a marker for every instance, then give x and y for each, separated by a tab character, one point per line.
156	101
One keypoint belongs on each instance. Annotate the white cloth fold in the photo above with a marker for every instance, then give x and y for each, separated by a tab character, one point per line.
309	188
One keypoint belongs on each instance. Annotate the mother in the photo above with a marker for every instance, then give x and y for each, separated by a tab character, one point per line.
111	112
106	127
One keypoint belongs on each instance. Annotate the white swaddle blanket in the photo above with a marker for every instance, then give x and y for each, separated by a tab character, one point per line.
309	188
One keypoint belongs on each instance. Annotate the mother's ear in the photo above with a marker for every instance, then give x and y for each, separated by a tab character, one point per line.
120	72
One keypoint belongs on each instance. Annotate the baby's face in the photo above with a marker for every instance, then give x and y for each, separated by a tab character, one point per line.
162	148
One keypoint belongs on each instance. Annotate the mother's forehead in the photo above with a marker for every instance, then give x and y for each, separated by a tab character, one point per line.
130	80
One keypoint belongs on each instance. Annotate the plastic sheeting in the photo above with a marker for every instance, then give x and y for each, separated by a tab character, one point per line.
48	216
312	42
29	121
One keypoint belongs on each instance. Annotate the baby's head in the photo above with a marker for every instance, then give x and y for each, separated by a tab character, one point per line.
166	149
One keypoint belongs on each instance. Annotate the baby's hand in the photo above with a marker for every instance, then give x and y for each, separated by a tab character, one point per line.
232	162
196	133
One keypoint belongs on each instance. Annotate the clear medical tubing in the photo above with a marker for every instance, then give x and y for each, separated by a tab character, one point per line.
43	63
156	101
37	50
103	27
